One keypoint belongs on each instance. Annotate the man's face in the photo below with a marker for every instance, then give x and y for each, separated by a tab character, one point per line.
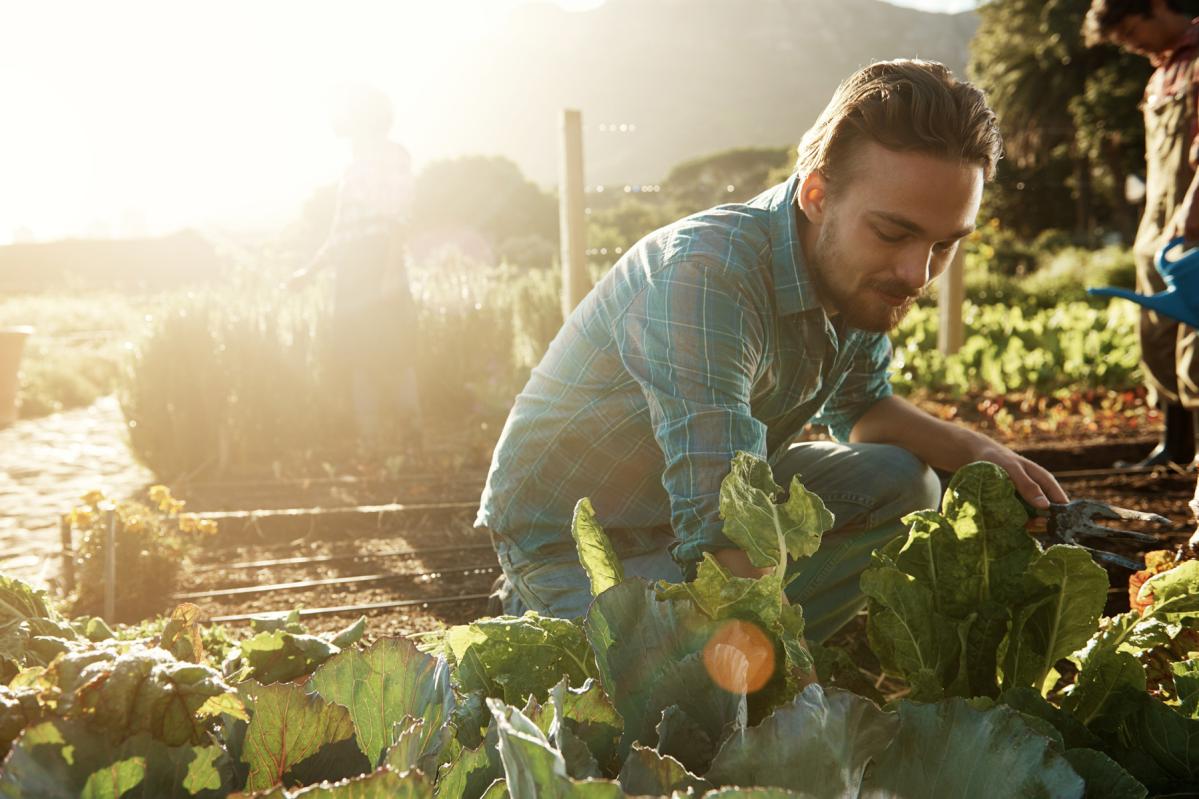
1145	35
884	236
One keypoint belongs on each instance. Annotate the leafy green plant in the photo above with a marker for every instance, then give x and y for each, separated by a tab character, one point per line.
150	545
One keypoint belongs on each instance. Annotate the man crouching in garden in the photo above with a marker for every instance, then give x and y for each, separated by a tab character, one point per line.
729	331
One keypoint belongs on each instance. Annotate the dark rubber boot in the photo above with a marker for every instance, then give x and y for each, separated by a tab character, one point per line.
1178	441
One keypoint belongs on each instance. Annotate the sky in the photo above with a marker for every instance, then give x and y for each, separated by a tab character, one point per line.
136	117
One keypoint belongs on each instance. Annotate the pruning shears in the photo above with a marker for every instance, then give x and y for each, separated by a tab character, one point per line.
1073	522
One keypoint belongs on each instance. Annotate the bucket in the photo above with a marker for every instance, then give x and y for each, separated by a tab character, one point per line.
12	344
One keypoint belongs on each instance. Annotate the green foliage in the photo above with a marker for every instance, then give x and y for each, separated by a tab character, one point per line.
1068	114
704	182
151	542
1007	349
969	583
595	550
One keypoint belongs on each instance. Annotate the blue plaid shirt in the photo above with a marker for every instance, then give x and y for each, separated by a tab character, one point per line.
706	338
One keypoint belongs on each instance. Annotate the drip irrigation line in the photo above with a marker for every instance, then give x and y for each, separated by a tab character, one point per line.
316	513
340	609
304	561
485	568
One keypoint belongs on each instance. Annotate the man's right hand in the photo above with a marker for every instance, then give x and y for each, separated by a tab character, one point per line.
737	563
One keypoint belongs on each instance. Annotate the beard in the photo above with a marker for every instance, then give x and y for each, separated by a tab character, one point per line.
859	305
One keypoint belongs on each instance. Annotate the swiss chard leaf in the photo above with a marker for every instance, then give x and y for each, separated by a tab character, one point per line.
767	530
288	726
383	685
595	549
647	773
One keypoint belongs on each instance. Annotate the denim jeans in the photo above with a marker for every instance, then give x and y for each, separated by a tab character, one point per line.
868	487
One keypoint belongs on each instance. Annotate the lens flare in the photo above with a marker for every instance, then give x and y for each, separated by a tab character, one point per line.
739	657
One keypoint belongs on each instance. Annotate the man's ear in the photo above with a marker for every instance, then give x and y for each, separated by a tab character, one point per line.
813	192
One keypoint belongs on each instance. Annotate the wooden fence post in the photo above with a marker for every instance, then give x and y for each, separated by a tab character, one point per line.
950	333
572	221
110	568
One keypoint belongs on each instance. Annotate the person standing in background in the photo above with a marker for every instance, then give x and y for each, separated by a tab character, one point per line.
374	321
1160	31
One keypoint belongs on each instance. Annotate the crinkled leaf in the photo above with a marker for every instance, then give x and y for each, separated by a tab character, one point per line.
415	748
1174	591
384	684
595	549
721	596
140	690
952	749
288	726
279	656
63	758
1067	591
647	773
181	635
1105	778
768	531
835	735
513	657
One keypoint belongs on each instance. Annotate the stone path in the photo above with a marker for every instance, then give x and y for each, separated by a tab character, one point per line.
46	465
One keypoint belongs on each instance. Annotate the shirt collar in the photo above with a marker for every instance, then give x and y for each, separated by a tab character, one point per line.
794	291
1180	49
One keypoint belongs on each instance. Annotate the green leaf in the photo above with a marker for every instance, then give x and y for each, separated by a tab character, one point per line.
350	635
595	549
1105	689
381	784
1104	777
63	758
1160	736
767	531
279	656
1175	590
469	774
709	713
648	773
140	690
384	684
952	749
513	657
533	768
1031	703
638	642
1068	591
834	735
592	717
289	725
1186	686
907	634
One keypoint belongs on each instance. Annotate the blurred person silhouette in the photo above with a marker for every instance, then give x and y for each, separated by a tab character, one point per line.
1162	31
374	325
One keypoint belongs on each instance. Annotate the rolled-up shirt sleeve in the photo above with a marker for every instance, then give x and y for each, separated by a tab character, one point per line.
693	342
865	383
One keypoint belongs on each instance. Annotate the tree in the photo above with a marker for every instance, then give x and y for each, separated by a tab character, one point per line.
1069	116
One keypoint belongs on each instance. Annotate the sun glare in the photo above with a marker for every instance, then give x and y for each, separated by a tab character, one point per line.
142	116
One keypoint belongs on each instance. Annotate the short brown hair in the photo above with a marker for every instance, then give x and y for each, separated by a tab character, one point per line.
906	105
1105	15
